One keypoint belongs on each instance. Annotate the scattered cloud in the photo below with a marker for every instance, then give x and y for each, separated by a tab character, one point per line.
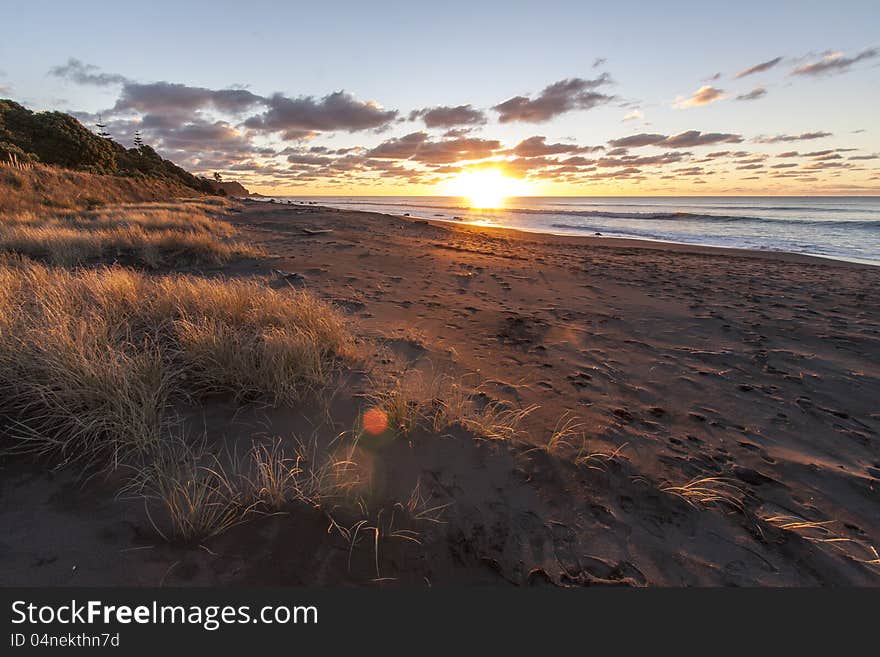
687	139
759	68
635	115
304	116
536	146
174	99
445	116
834	62
82	73
418	146
777	139
703	96
754	94
555	99
599	61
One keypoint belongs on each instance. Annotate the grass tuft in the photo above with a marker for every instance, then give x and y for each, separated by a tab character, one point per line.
90	360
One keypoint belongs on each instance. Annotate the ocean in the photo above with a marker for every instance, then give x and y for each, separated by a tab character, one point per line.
844	228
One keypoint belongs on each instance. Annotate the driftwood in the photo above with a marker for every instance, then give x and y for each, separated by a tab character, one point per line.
318	231
292	277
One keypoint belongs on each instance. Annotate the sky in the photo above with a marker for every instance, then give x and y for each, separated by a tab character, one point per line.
394	98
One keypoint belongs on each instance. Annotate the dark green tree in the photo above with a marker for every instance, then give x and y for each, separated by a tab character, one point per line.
102	128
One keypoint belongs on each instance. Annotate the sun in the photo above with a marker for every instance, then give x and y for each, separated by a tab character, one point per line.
485	188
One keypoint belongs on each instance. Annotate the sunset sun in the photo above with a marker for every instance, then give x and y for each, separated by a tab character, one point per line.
486	188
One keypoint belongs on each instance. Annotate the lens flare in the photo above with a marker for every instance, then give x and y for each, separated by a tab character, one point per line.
375	422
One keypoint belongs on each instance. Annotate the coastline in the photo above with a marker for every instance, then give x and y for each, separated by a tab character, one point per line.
605	241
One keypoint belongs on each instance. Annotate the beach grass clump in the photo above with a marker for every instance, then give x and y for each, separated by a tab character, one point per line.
196	494
153	235
439	402
193	492
91	359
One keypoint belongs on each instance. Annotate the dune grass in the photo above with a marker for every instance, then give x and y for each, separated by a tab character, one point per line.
41	188
154	235
438	402
91	359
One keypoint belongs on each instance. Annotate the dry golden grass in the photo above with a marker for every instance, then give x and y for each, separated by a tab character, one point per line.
90	359
567	428
192	493
826	534
708	491
182	233
438	402
400	521
40	188
197	494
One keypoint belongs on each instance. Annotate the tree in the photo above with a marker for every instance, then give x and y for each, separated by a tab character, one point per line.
138	140
102	128
217	177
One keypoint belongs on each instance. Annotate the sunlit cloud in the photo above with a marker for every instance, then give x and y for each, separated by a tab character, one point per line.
687	139
804	136
703	96
537	146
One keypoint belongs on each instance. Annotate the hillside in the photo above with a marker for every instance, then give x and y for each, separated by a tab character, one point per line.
60	140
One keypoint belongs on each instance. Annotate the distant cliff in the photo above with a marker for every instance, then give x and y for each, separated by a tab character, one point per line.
229	188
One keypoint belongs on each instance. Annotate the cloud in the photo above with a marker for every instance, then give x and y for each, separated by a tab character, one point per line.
555	99
687	139
834	62
777	139
200	135
173	105
81	73
399	148
417	146
635	115
647	160
536	147
444	116
759	68
455	150
754	94
303	116
703	96
598	62
175	99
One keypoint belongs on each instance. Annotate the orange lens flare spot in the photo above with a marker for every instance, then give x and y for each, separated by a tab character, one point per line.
375	422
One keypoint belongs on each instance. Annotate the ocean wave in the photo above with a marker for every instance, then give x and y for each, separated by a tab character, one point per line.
657	215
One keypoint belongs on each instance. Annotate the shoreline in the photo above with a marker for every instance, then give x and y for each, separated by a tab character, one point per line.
604	241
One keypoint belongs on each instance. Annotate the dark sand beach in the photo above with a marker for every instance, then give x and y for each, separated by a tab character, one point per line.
715	417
